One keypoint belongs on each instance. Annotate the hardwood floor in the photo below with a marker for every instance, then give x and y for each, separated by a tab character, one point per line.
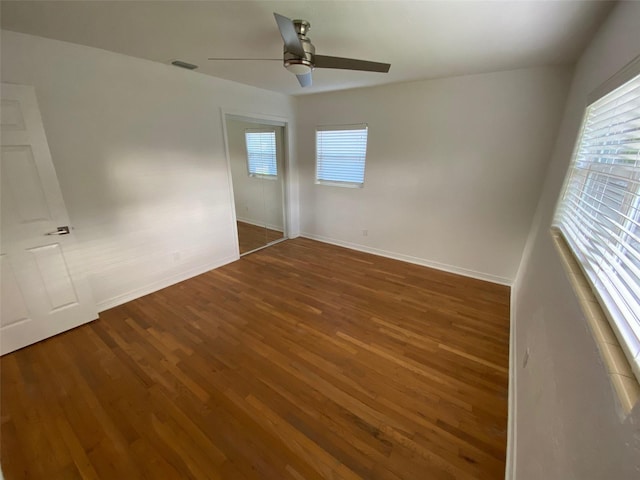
251	237
301	361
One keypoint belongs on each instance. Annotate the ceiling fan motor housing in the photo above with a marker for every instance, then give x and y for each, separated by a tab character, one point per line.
294	63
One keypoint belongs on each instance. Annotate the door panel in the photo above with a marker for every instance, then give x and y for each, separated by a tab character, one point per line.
13	307
22	184
42	294
12	119
54	275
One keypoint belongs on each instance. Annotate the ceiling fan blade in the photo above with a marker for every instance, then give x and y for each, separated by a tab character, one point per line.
251	59
304	79
289	35
324	61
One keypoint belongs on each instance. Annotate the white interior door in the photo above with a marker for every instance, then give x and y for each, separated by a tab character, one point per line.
41	293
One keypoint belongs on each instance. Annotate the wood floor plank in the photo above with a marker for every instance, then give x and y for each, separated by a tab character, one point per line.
300	361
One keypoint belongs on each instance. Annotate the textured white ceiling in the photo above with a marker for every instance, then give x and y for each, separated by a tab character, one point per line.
421	39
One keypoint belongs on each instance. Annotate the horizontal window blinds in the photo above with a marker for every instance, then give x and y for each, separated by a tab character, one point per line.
599	212
261	152
341	153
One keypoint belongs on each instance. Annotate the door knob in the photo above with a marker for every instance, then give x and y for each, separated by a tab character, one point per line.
60	231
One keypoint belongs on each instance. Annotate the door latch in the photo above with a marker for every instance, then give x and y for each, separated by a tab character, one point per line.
60	231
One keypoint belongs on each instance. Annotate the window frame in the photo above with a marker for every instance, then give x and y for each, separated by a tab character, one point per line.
624	366
264	176
342	127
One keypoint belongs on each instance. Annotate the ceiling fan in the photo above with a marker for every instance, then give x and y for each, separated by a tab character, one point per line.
300	55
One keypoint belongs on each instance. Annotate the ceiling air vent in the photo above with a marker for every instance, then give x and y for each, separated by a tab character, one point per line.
181	64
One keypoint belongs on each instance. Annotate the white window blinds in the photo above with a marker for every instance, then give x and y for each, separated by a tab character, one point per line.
340	154
599	212
261	152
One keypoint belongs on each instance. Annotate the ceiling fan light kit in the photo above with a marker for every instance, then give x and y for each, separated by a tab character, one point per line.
300	57
299	67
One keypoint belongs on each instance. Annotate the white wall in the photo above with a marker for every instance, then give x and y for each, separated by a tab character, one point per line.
454	168
258	201
567	424
139	151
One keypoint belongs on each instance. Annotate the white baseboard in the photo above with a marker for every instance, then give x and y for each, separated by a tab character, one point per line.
415	260
277	228
510	467
162	283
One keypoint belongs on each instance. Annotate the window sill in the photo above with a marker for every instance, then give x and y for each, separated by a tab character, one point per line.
263	176
336	183
622	378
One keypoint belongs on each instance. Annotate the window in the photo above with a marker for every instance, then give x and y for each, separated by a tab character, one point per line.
340	155
599	211
261	153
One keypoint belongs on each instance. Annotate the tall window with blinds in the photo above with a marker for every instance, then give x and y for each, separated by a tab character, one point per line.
261	153
341	153
599	211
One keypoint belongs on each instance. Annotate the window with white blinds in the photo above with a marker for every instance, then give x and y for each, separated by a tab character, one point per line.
599	211
261	153
341	153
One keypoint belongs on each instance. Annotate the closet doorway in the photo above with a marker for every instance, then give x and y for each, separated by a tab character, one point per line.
257	162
